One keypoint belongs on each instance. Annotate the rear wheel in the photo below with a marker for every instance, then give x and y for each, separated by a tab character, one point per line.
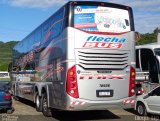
141	109
45	109
38	102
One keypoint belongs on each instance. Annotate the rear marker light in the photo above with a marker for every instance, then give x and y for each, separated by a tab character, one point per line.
81	77
90	77
104	77
99	77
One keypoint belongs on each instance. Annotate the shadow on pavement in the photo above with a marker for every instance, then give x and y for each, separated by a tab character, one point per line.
77	115
84	115
131	110
26	102
2	111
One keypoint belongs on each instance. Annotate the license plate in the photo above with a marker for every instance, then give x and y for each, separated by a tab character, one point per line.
104	93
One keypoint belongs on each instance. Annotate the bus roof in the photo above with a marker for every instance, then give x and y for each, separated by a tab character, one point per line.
79	3
98	3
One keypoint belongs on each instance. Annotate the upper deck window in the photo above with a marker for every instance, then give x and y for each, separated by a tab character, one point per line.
101	19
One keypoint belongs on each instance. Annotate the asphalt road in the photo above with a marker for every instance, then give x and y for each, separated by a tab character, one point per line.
25	111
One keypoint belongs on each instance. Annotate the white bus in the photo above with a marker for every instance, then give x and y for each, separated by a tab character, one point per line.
148	65
81	58
4	76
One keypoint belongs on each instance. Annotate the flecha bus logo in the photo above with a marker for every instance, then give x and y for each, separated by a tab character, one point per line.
102	42
102	45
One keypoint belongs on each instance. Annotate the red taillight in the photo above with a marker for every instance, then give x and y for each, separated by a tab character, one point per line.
72	87
8	96
132	82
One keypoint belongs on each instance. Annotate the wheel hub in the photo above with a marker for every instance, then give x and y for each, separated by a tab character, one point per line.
140	109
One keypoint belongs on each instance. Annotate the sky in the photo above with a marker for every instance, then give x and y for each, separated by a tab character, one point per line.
20	17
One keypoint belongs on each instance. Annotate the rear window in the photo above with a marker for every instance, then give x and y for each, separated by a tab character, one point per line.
101	19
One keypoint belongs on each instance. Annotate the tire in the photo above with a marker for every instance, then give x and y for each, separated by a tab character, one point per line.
45	109
38	102
141	109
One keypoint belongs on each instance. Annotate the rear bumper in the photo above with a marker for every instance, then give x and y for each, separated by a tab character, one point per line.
81	104
5	104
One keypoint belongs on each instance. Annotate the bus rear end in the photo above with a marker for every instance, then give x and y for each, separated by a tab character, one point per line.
101	45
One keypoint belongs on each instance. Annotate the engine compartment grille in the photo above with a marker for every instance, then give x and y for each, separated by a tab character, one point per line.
102	59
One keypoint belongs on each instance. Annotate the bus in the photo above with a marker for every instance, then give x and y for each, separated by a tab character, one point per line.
148	65
4	75
81	58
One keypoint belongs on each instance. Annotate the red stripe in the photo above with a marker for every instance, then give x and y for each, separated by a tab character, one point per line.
85	25
73	103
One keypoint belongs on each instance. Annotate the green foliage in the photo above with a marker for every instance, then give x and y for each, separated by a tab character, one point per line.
6	54
148	38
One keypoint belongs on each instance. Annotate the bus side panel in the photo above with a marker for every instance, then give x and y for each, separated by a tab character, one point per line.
57	75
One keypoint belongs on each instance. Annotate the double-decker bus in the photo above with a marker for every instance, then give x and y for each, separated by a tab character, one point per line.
81	58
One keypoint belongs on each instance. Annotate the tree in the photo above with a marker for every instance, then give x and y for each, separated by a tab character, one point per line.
157	30
6	54
148	38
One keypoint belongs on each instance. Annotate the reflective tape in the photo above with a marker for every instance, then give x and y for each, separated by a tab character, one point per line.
129	101
78	103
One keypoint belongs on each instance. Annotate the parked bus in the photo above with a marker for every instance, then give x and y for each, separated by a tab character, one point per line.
4	75
81	58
